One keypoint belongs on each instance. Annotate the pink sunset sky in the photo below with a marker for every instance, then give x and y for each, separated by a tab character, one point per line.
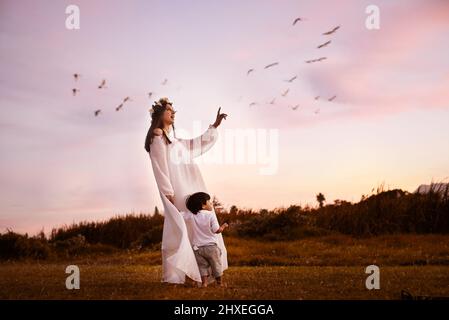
61	164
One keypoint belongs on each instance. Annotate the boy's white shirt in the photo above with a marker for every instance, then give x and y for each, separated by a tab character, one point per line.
202	226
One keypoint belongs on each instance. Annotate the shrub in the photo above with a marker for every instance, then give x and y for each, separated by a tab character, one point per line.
15	246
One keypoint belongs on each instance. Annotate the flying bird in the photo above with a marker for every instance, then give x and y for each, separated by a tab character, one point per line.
324	44
331	31
271	65
164	82
295	107
76	76
249	71
119	107
102	85
292	79
285	92
316	60
331	98
97	112
297	20
74	91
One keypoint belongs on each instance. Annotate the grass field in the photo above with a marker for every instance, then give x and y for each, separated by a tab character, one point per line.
314	268
21	281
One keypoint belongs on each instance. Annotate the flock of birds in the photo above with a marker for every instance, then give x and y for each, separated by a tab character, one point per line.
319	59
102	86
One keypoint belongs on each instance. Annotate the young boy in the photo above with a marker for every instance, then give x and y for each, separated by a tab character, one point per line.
204	228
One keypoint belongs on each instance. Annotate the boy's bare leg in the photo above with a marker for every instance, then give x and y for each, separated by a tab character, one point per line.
219	282
204	280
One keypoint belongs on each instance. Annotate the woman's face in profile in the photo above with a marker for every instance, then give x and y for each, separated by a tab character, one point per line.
169	115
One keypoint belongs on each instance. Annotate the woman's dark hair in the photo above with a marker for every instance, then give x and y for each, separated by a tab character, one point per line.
195	201
156	122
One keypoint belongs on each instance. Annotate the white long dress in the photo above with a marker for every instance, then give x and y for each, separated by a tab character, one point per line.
177	174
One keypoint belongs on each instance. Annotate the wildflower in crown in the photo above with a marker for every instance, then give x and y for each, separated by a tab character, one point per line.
159	106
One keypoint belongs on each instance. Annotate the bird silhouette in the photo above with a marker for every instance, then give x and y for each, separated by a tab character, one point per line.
271	65
119	107
297	20
164	82
249	71
97	112
331	31
102	84
316	60
295	107
324	44
331	98
74	91
76	76
291	79
285	92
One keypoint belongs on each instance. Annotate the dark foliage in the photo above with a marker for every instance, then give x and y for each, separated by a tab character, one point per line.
386	212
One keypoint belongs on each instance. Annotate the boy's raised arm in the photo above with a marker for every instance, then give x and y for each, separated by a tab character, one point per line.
215	226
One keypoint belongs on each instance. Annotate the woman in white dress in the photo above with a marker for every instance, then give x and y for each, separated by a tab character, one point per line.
178	176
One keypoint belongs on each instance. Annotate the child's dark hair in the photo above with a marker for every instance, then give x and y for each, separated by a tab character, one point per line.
196	200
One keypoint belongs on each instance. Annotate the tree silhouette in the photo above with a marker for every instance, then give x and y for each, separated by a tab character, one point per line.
217	204
320	198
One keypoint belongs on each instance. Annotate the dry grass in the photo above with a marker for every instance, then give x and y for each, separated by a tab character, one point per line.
329	267
22	281
338	250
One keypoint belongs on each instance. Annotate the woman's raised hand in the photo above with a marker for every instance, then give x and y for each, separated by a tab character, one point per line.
220	117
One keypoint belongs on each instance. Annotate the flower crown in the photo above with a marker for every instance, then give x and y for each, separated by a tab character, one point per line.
159	104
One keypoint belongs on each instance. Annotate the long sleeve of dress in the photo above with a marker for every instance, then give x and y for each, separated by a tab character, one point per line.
201	144
158	155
